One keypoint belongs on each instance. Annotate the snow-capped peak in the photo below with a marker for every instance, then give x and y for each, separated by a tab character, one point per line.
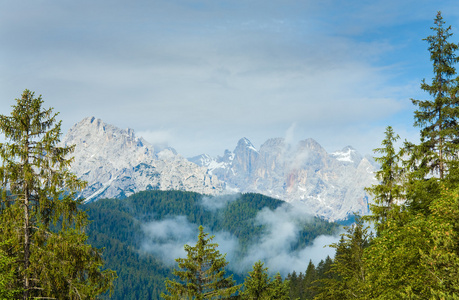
347	154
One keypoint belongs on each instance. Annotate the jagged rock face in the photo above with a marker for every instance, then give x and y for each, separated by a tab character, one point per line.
116	163
332	185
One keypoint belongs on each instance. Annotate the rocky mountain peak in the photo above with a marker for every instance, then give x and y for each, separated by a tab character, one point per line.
245	145
312	145
274	146
116	163
348	155
99	143
245	156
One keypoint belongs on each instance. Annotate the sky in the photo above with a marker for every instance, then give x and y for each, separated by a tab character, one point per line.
199	75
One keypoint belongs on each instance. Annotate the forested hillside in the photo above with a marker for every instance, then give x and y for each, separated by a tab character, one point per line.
119	227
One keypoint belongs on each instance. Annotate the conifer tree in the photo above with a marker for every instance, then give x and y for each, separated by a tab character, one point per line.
438	118
202	273
279	288
39	212
326	276
349	265
310	277
257	284
389	190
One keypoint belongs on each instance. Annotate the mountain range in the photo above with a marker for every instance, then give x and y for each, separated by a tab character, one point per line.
116	163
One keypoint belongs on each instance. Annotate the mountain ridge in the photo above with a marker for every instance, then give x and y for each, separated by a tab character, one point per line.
331	184
116	163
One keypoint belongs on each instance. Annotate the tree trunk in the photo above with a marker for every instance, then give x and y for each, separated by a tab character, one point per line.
26	243
26	220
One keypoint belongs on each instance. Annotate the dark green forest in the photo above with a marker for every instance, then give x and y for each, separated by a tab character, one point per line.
116	227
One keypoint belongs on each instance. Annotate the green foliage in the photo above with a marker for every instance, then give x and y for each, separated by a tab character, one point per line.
115	228
414	254
394	260
39	213
441	258
314	284
279	288
257	284
7	273
202	274
325	274
308	284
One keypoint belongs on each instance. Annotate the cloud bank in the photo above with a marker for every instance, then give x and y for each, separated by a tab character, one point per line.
283	228
166	239
217	202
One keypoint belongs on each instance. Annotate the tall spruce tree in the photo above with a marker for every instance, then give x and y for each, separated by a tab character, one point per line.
310	277
438	118
202	273
389	191
257	284
39	213
279	288
349	265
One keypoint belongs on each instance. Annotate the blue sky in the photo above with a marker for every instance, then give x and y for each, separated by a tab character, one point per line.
200	75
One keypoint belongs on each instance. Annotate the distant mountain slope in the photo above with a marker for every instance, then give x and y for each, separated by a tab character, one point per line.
116	163
144	233
332	185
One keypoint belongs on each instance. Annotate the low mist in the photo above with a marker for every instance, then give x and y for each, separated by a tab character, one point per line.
275	248
166	239
217	202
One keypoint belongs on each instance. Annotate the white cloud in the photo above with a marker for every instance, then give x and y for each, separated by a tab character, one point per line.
290	135
158	138
217	202
166	239
283	226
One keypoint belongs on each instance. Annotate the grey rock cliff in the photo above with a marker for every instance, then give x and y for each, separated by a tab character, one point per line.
116	163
